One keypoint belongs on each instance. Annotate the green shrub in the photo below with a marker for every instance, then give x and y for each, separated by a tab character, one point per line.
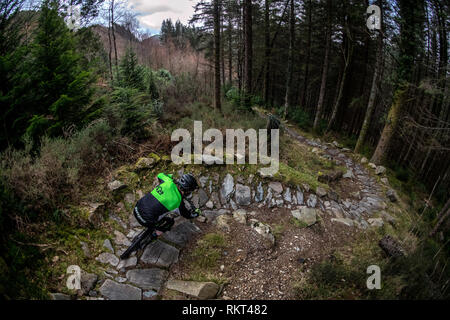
233	95
301	118
131	112
49	179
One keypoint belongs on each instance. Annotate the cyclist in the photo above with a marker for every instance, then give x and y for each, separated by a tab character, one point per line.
152	210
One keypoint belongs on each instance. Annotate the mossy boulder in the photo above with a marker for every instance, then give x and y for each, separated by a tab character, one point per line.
144	164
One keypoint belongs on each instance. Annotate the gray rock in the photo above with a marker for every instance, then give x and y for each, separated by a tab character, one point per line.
121	239
312	201
149	294
372	165
364	160
215	199
95	213
240	216
346	221
380	170
93	293
181	233
202	198
127	263
356	195
118	291
200	290
299	195
243	195
277	187
392	195
385	180
262	229
160	254
264	173
133	222
333	195
240	179
259	195
375	222
306	187
306	215
107	244
109	258
88	281
145	164
212	214
279	202
130	198
116	218
203	180
287	195
209	204
321	192
147	279
222	222
268	199
226	192
349	174
59	296
85	248
233	204
121	279
116	185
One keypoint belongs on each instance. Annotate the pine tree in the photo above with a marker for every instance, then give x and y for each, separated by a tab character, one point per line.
55	88
131	75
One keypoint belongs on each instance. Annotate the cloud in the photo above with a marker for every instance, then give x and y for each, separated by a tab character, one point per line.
152	13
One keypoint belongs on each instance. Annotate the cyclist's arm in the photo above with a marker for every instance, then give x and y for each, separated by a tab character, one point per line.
163	177
184	211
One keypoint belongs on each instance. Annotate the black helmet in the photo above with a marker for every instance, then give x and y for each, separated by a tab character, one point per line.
187	183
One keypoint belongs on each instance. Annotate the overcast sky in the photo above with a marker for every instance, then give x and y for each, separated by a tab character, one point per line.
153	12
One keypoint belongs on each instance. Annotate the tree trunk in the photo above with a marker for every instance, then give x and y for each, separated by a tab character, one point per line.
324	69
230	50
116	58
442	216
410	27
308	58
217	95
266	50
287	98
248	52
110	48
341	85
391	125
373	90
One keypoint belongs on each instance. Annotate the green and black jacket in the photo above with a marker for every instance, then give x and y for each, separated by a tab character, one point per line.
160	201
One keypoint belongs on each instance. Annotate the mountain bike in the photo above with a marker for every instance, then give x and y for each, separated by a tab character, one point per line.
148	235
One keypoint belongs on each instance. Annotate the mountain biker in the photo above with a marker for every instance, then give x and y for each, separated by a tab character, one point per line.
152	210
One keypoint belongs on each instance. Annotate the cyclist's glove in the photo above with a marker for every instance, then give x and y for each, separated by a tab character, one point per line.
196	213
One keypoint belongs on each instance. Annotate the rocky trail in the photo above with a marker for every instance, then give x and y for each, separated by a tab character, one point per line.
265	251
